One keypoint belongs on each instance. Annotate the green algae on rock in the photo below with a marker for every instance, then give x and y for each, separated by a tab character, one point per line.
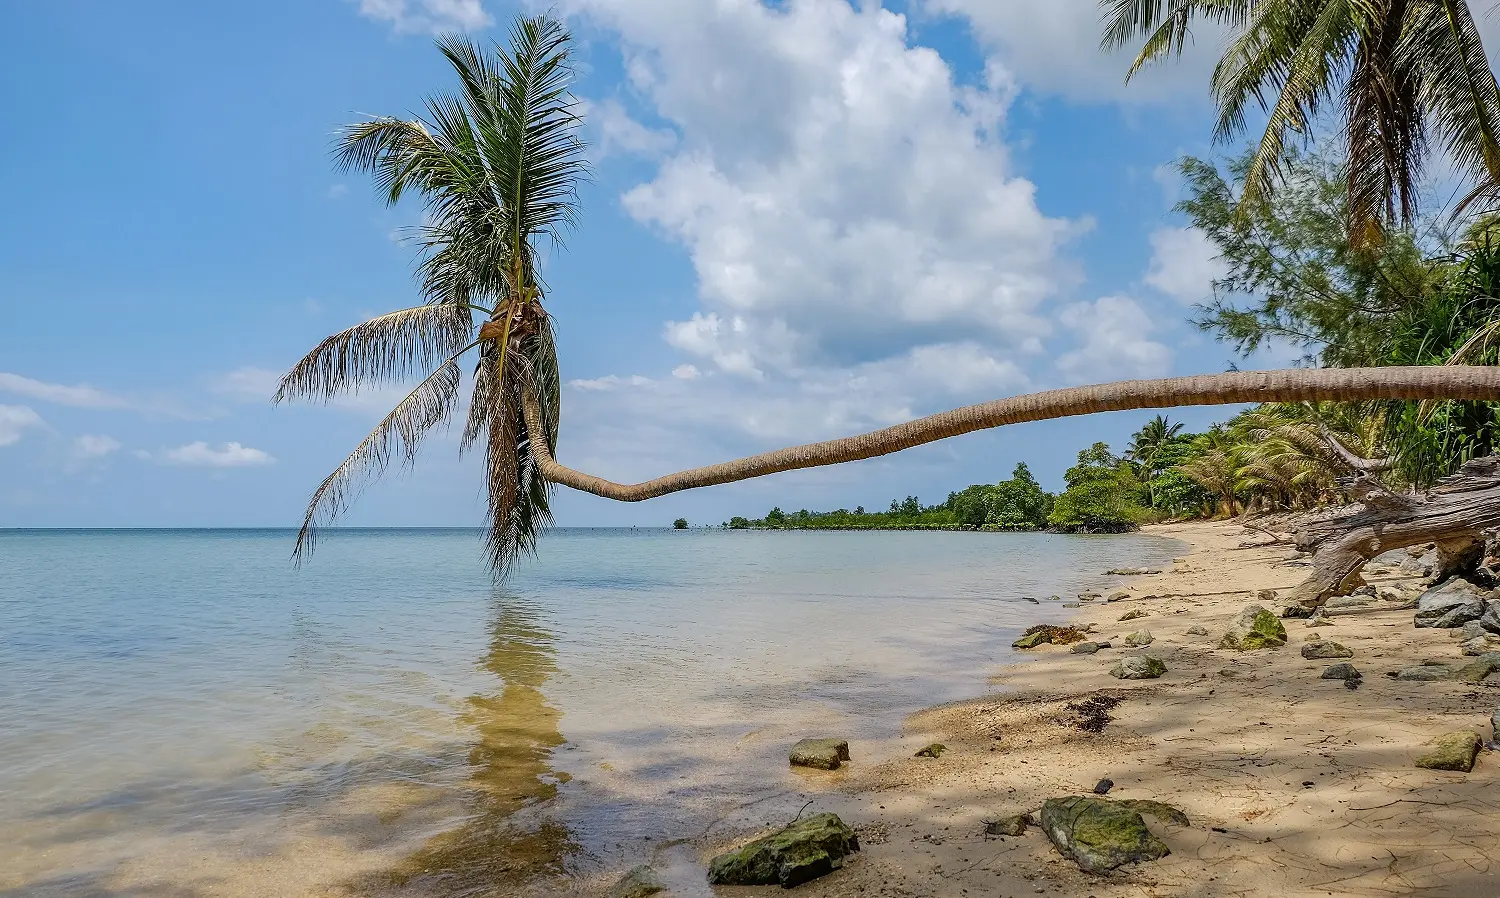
1454	751
935	750
802	851
1254	628
1099	835
1138	667
1158	809
640	882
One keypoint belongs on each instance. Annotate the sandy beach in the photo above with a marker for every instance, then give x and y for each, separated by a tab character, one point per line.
1293	785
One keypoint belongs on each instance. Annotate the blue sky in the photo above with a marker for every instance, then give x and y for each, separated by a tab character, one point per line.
807	219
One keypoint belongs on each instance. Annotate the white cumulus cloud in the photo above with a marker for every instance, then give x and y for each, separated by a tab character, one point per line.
14	419
230	455
1114	341
1184	264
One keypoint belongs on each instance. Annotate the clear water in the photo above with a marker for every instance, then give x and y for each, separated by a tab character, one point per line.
183	713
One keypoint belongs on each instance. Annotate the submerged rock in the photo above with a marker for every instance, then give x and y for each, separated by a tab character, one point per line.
1133	571
1254	628
1454	751
1325	648
803	851
1139	639
824	754
640	882
1138	667
1009	825
1032	640
1099	835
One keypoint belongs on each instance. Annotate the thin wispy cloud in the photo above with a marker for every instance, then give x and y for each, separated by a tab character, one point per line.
200	454
78	395
95	446
430	16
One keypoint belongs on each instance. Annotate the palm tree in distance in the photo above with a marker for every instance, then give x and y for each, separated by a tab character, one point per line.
497	166
1396	71
1146	449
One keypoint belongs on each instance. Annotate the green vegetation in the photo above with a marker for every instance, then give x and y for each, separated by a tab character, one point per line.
680	524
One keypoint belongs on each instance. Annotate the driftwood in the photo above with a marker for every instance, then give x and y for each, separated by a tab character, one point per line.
1454	515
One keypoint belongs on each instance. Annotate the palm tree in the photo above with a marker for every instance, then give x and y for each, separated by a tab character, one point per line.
1146	449
1395	70
497	166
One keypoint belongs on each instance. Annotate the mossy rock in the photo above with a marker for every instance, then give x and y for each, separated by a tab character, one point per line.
1158	809
640	882
1032	640
1254	628
1139	639
1325	649
1138	667
1454	751
824	754
935	750
1099	835
1132	615
1009	825
1475	672
803	851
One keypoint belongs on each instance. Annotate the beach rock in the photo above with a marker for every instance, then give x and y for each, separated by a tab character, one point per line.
1479	645
1117	596
1085	648
1255	628
1159	809
1318	620
935	750
1265	595
1325	648
1054	598
1344	603
1103	786
640	882
1342	671
1471	630
1495	723
1089	596
1455	603
1302	612
1072	605
1139	639
1425	673
1099	835
1009	825
1133	571
1132	615
824	754
1477	670
1032	640
803	851
1197	631
1454	751
1138	667
1389	594
1366	590
1490	620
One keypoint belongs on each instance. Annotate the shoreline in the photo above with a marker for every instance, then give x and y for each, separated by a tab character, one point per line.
1293	784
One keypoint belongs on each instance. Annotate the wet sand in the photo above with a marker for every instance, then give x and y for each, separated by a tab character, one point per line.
1294	785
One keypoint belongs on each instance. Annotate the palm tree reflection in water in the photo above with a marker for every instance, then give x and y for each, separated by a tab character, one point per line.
499	849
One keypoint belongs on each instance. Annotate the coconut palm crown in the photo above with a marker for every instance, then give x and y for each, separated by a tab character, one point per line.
1395	71
497	166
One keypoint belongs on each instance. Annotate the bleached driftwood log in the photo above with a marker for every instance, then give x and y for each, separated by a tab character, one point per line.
1454	515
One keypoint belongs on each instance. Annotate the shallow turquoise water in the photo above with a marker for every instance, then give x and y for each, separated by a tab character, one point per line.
183	713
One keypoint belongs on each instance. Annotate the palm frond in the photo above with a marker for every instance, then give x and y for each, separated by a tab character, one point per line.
386	348
399	434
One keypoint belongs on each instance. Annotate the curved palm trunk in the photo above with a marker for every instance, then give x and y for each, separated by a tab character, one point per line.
1287	385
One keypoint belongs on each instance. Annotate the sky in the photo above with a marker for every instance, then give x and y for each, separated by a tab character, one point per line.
806	219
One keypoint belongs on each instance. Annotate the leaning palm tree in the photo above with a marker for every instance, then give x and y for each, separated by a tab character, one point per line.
496	166
1396	71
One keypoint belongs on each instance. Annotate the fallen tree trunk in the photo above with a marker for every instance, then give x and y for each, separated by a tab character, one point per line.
1454	515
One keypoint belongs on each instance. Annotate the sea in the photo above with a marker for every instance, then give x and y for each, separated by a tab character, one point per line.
187	713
